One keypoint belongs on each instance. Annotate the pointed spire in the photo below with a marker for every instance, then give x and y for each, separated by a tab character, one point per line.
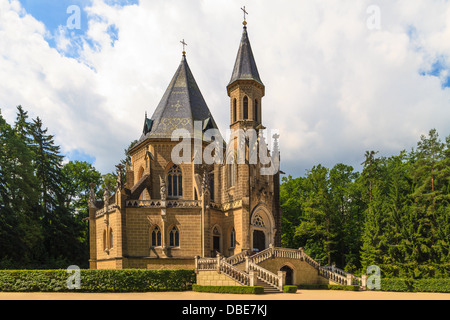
245	66
181	105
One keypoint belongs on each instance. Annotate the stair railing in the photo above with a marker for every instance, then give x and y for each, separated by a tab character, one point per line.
276	281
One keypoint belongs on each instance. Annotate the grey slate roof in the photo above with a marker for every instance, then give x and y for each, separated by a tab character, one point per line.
181	105
245	65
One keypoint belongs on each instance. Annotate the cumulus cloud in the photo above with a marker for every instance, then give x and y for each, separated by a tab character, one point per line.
334	87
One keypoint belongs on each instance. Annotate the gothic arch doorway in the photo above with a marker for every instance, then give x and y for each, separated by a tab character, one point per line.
261	229
259	240
289	275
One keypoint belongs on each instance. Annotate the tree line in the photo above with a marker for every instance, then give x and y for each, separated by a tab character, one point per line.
43	200
394	214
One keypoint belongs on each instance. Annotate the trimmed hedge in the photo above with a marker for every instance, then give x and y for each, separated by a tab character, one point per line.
313	287
130	280
415	285
228	289
343	287
328	287
290	289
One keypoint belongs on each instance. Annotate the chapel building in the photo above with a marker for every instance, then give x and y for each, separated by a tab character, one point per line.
164	212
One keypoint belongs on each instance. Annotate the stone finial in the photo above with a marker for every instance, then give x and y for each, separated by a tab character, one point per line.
92	195
205	182
120	178
106	195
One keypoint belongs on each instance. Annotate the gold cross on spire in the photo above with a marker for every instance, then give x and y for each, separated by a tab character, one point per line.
245	13
184	45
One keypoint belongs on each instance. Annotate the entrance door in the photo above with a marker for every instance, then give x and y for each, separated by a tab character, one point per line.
259	240
289	275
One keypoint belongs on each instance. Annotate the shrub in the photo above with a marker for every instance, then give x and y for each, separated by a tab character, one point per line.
343	287
313	286
396	285
290	289
133	280
329	287
415	285
228	289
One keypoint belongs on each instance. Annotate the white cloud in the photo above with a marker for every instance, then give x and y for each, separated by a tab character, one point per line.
334	88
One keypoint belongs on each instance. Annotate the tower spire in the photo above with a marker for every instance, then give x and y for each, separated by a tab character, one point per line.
245	103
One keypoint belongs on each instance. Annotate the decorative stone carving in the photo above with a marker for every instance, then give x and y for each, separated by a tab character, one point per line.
205	183
162	188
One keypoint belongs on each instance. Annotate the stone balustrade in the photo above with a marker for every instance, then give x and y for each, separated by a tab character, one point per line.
237	258
333	276
205	264
227	267
275	280
236	274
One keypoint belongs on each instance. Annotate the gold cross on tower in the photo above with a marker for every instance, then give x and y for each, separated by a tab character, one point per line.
245	13
184	45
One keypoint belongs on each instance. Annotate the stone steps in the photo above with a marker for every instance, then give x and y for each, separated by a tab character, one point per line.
267	287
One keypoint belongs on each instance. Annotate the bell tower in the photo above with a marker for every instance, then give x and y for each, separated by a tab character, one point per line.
245	89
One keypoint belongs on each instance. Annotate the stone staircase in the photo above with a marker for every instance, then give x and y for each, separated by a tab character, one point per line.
245	269
267	287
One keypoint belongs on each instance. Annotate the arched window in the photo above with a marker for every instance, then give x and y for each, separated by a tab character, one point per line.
245	108
234	110
256	110
174	182
156	237
174	237
111	239
104	240
233	238
211	185
231	171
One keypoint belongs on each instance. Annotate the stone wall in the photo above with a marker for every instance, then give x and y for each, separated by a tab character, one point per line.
213	278
303	272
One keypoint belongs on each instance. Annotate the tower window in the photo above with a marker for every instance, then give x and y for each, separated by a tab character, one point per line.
175	182
256	110
245	108
234	110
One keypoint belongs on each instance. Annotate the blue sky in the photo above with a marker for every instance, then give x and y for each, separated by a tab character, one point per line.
335	88
55	14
